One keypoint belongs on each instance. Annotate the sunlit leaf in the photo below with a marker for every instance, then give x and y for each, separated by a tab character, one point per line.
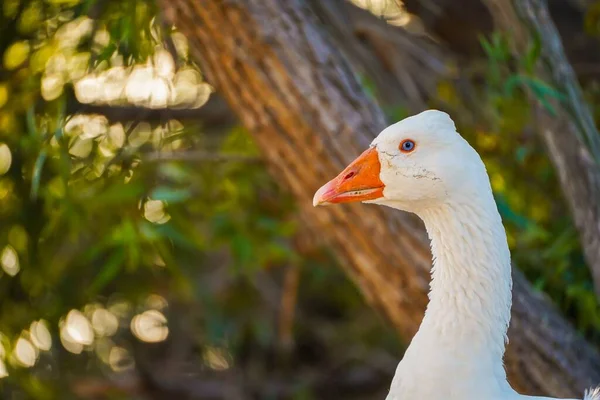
16	55
3	94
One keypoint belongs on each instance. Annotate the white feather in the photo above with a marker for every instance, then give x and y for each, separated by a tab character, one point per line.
592	394
457	352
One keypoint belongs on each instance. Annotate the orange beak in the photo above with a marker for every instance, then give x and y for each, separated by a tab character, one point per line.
358	182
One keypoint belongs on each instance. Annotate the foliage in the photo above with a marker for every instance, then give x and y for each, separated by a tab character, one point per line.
541	233
107	223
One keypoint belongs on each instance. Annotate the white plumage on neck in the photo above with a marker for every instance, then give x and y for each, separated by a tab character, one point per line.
460	344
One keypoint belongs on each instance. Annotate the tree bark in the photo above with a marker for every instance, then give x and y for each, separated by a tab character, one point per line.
371	46
570	135
301	100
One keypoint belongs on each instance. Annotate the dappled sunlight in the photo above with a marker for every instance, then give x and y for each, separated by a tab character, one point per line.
91	136
116	137
156	302
40	335
10	261
78	328
154	211
2	348
25	353
120	359
156	84
16	55
81	147
390	10
87	126
140	134
70	34
76	332
159	262
104	322
5	158
6	189
4	93
69	345
120	308
52	87
150	326
217	358
164	64
3	370
102	347
66	164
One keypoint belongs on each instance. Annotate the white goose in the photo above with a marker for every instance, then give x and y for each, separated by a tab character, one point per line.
422	165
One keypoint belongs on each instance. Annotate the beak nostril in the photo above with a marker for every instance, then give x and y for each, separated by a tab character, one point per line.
349	175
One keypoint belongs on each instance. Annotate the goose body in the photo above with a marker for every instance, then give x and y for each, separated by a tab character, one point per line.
422	165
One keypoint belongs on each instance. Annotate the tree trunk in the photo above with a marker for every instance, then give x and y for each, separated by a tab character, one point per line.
372	48
301	100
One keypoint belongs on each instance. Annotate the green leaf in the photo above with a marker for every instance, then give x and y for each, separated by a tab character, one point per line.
487	46
106	53
168	231
521	154
242	250
542	89
170	195
533	54
508	214
37	174
30	121
125	233
117	193
109	272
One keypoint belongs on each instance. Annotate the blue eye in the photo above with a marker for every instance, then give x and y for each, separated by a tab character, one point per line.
407	146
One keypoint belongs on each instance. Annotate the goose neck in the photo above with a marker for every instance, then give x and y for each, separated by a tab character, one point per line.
470	292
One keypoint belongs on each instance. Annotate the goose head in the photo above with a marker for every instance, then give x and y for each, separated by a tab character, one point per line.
417	163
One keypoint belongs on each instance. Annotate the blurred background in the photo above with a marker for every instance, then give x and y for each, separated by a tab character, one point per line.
154	244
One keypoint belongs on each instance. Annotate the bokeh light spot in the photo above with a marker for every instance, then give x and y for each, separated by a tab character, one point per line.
154	211
76	332
104	322
217	358
40	335
3	94
119	359
3	370
52	86
156	302
150	326
10	261
5	158
25	353
16	55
